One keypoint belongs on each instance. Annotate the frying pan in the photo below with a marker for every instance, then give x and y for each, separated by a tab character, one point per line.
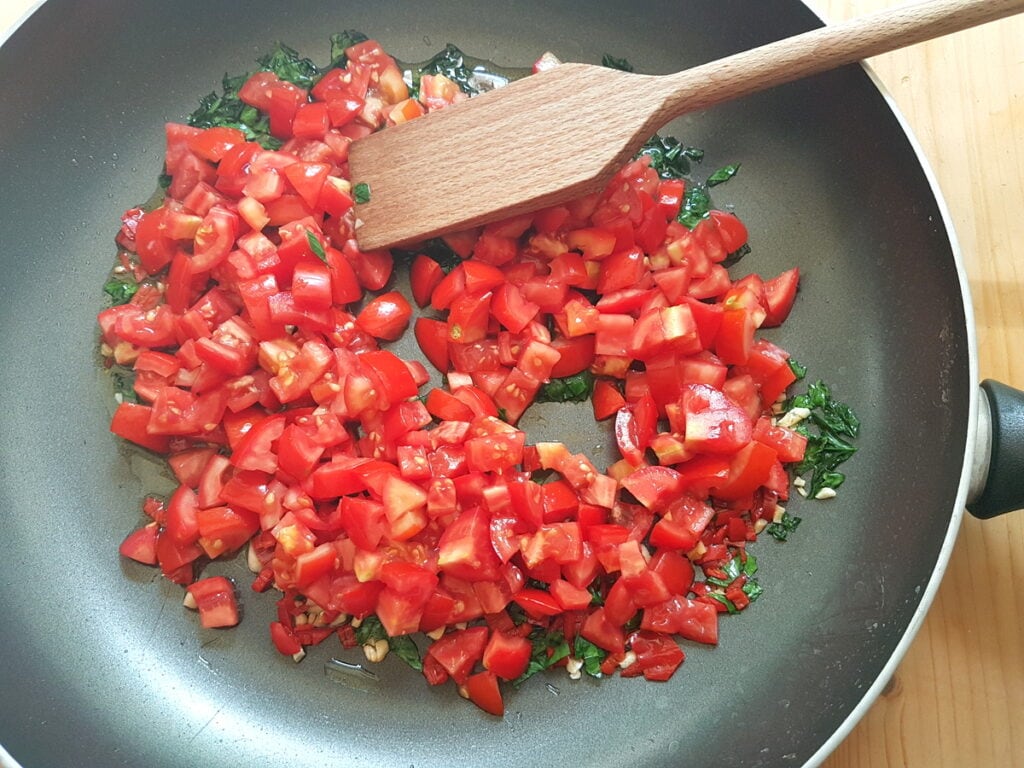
101	664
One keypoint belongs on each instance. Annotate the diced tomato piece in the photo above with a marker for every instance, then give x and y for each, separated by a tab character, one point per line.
458	651
140	544
507	655
215	599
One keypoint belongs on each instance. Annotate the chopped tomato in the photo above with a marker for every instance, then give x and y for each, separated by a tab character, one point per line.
215	600
260	374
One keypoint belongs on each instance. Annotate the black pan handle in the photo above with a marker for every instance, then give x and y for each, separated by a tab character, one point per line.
998	474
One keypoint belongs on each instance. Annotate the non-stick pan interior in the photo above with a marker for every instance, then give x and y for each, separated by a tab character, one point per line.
102	665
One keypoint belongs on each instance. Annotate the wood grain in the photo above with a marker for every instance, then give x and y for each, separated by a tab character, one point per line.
958	696
538	124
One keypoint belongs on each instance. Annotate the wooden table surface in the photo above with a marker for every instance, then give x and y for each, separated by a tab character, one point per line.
958	696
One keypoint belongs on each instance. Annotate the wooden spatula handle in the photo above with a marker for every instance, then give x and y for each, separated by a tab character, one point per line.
824	49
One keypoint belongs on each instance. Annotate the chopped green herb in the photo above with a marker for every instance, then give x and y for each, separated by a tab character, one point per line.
120	289
669	157
753	590
615	63
229	111
571	389
595	595
340	42
286	63
315	246
124	384
730	606
722	175
370	631
549	648
827	427
437	249
450	62
502	414
164	180
781	530
798	370
750	566
405	649
361	192
696	205
590	655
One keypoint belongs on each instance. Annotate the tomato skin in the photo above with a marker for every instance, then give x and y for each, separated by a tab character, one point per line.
460	650
780	295
690	619
657	656
606	399
130	421
311	285
140	544
425	275
507	656
576	355
731	230
386	316
714	424
603	633
215	599
284	640
432	336
482	689
464	549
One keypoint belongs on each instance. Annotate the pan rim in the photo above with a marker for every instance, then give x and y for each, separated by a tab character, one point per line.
887	672
874	691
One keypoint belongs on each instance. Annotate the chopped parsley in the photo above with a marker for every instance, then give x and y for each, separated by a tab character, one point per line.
590	655
571	389
437	249
227	110
450	62
286	63
740	564
341	41
669	157
404	648
781	530
315	246
361	192
615	63
549	648
124	384
696	205
798	370
722	175
828	428
120	289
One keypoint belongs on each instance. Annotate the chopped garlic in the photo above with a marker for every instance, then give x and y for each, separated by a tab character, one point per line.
794	416
252	560
826	493
376	651
574	667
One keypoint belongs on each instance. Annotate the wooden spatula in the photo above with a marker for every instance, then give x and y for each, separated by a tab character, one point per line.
560	134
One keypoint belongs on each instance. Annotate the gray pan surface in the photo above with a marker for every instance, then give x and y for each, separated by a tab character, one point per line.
101	665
